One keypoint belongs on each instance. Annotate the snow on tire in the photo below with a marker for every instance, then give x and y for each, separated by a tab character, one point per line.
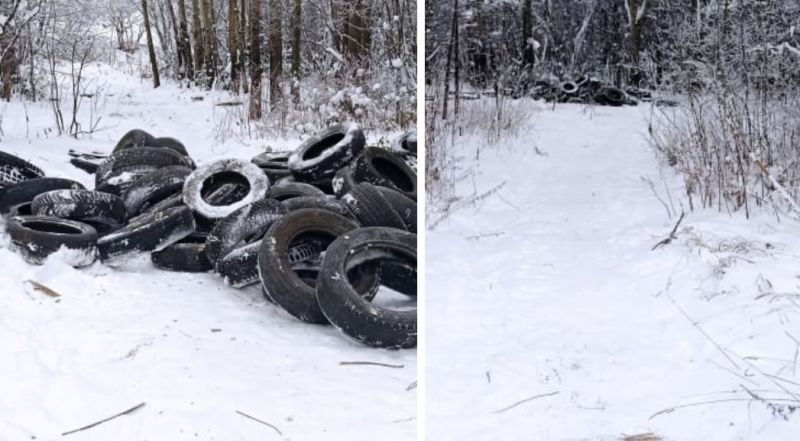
321	202
37	237
357	317
281	283
289	190
134	138
239	268
145	234
407	142
14	170
382	167
101	210
244	226
154	188
371	208
326	152
138	160
232	170
343	181
16	198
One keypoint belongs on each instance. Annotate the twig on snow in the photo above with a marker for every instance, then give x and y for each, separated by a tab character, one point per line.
43	289
260	421
404	420
370	363
129	411
703	403
672	235
411	386
535	397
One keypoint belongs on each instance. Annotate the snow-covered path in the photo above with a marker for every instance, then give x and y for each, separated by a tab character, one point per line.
549	289
193	349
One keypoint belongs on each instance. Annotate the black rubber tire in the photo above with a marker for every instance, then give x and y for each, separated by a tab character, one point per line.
242	227
569	88
92	207
399	277
87	166
382	167
146	234
221	171
610	96
154	188
272	160
37	237
346	309
15	199
14	170
171	143
403	205
343	181
281	283
187	256
175	200
134	138
138	160
371	208
326	152
118	185
239	268
286	191
321	202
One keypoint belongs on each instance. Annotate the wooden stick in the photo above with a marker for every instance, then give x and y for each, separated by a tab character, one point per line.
129	411
370	363
43	289
525	401
671	236
260	421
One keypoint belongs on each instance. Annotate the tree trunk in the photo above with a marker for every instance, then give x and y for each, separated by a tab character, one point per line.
176	32
150	49
243	44
450	52
197	36
297	47
356	34
256	68
528	49
209	45
233	43
185	44
275	52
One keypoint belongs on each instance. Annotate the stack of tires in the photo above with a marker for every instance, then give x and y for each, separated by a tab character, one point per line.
584	90
321	229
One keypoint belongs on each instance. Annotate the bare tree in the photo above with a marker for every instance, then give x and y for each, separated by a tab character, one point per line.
275	52
151	50
256	69
184	44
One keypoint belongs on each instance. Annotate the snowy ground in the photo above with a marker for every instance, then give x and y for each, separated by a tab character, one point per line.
549	289
194	350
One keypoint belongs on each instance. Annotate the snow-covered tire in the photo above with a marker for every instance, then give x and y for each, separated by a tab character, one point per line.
171	143
242	227
343	181
321	202
407	142
37	237
283	286
569	88
326	152
187	256
345	308
610	96
146	234
137	160
103	211
176	200
382	167
228	171
371	208
403	205
154	188
15	199
134	138
274	164
239	268
14	170
286	191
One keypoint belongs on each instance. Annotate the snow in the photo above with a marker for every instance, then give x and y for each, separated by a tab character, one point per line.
194	350
547	293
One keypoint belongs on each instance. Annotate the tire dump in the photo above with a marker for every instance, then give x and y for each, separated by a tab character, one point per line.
320	229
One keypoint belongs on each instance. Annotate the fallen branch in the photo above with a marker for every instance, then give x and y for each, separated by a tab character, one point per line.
370	363
411	386
229	104
672	235
129	411
702	403
535	397
260	421
43	289
774	182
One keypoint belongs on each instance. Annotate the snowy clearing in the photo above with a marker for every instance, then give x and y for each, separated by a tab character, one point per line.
194	350
552	319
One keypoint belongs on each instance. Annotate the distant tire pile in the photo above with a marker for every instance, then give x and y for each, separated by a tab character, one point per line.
584	90
321	228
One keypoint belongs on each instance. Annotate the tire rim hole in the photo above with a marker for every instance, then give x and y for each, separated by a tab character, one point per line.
51	227
326	143
218	180
393	173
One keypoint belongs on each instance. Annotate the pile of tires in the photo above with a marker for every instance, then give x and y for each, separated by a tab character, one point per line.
321	229
583	90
